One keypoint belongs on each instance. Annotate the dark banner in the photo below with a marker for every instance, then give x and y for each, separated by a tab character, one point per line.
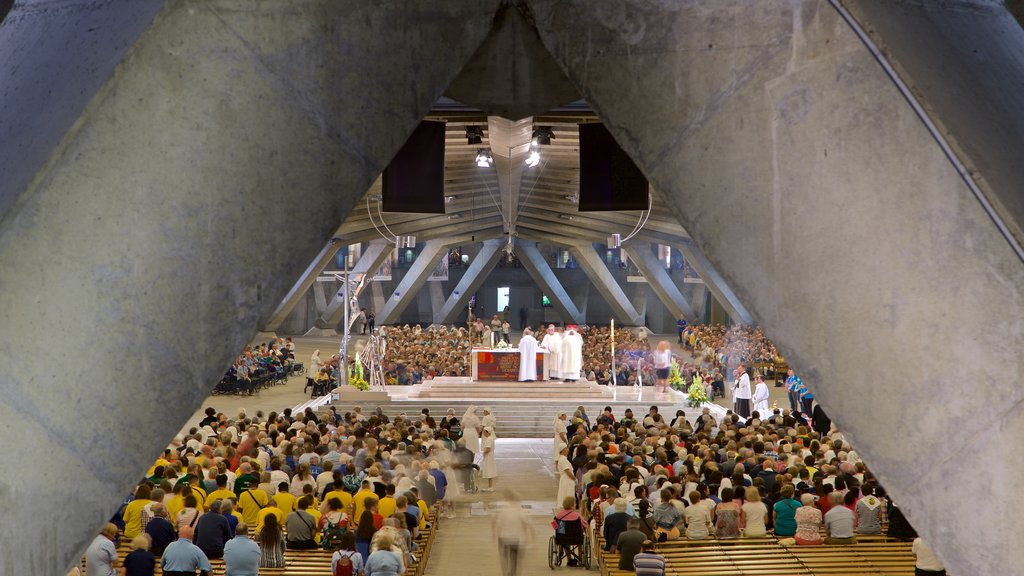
493	366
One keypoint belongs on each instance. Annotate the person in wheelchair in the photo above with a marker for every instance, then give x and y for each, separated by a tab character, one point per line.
570	539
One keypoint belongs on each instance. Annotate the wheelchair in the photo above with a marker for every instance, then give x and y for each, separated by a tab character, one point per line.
570	542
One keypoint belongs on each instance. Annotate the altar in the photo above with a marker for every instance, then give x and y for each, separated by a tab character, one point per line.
491	365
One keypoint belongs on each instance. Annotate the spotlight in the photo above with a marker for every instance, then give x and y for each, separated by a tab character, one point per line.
533	159
615	241
483	158
542	135
474	135
454	216
450	198
566	217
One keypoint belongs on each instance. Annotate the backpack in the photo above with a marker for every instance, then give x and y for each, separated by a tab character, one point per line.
352	482
330	536
343	567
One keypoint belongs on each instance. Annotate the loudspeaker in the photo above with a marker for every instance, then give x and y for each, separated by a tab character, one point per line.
609	180
414	181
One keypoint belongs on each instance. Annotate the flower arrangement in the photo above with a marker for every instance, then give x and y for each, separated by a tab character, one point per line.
356	379
675	377
502	345
696	396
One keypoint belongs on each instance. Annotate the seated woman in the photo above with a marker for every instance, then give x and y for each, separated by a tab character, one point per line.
869	512
698	518
755	515
563	519
808	522
667	519
728	516
785	512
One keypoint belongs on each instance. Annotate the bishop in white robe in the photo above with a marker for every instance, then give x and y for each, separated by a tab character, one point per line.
572	355
552	342
527	357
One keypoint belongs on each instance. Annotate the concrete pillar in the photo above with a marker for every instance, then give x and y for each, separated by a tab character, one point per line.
659	280
715	283
301	288
537	266
814	189
179	210
470	282
415	277
602	278
372	258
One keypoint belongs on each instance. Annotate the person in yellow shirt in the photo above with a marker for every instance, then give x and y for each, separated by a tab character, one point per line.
284	499
222	492
386	506
268	511
308	490
338	491
251	502
133	512
359	499
424	511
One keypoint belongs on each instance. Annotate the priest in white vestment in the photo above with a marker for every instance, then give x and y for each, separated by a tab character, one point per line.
572	355
552	342
761	397
527	357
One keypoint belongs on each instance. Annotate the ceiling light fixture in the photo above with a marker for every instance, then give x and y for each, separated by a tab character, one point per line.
566	216
483	158
474	135
542	135
454	216
533	159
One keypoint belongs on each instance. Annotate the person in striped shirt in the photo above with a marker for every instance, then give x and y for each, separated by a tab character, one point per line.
648	562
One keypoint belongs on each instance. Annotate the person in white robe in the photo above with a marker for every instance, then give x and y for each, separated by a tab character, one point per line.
561	433
741	392
488	421
527	357
566	477
471	430
489	465
552	342
572	355
761	397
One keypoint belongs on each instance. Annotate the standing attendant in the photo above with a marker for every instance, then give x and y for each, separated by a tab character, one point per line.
741	392
471	430
566	478
793	383
522	317
761	396
489	466
552	342
561	433
662	365
506	330
572	355
681	327
806	398
527	357
489	421
371	321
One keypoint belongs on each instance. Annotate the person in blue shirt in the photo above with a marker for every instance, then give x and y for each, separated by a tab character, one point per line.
385	561
681	325
241	555
183	557
806	398
793	383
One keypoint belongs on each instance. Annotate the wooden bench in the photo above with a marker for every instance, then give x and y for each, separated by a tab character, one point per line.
873	555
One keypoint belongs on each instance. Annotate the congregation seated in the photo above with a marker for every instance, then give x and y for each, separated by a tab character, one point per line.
414	354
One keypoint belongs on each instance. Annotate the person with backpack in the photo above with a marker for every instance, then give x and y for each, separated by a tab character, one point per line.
346	561
333	524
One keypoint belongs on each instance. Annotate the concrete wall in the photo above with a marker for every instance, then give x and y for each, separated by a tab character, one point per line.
820	197
191	194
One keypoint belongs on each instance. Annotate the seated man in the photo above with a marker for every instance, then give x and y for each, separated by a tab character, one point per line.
564	523
839	522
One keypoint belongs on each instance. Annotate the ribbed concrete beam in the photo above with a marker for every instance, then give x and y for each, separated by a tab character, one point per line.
715	283
816	191
159	221
537	266
415	277
298	292
479	268
659	280
609	288
372	258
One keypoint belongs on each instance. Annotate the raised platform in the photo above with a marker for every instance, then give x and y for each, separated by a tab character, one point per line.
458	388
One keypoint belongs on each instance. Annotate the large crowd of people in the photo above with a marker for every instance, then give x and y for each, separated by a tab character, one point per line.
245	488
656	478
723	346
257	366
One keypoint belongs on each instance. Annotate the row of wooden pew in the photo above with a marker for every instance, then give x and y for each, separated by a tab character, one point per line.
313	562
872	555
